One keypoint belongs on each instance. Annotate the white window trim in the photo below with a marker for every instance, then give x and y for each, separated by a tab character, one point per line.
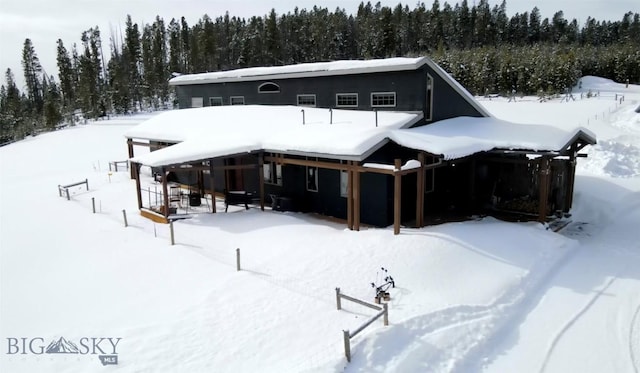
384	93
214	98
347	94
268	83
306	95
429	115
231	98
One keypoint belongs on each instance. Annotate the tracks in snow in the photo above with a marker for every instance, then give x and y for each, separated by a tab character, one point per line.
634	340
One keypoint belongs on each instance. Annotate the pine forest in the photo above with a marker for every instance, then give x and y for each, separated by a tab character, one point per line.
486	50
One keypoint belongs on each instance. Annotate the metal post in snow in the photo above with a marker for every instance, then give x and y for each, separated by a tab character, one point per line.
124	215
330	116
238	259
173	240
303	121
339	305
67	191
347	345
386	314
86	181
93	204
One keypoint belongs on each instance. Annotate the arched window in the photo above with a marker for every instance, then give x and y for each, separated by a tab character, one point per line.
269	87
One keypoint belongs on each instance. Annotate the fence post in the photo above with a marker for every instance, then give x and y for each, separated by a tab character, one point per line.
238	259
68	197
59	191
173	241
86	181
386	314
124	214
93	204
338	299
347	345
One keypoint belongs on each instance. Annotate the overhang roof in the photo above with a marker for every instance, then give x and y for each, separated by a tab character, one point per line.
219	131
463	136
222	131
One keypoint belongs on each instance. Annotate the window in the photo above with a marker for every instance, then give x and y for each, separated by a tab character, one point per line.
383	99
347	100
272	173
307	100
269	87
215	101
344	184
197	102
312	179
236	100
429	103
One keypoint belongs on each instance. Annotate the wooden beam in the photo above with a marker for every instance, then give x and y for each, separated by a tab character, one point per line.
356	201
213	187
350	193
397	198
571	179
130	151
165	196
310	163
544	189
140	143
261	179
420	192
135	170
218	168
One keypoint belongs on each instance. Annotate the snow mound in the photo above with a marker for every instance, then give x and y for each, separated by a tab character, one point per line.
614	158
595	83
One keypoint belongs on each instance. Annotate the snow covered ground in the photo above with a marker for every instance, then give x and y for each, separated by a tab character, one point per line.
475	296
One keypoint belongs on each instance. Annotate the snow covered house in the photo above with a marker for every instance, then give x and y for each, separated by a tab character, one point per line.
391	141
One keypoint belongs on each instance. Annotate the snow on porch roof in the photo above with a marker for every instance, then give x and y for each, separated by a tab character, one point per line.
218	131
302	70
463	136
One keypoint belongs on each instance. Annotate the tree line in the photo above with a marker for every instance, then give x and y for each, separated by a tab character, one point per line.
483	48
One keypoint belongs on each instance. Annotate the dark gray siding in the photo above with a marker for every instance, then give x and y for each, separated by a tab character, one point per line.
409	86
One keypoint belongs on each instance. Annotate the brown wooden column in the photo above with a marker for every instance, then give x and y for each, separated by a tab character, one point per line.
397	198
261	179
130	149
213	187
165	193
135	170
350	192
420	192
571	179
543	181
356	200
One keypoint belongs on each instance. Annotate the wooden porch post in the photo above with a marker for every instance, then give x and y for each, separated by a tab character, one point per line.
397	198
213	187
130	149
356	200
261	179
350	193
544	189
135	171
420	193
165	193
571	179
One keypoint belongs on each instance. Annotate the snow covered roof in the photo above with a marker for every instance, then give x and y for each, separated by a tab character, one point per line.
463	136
218	131
210	132
302	70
